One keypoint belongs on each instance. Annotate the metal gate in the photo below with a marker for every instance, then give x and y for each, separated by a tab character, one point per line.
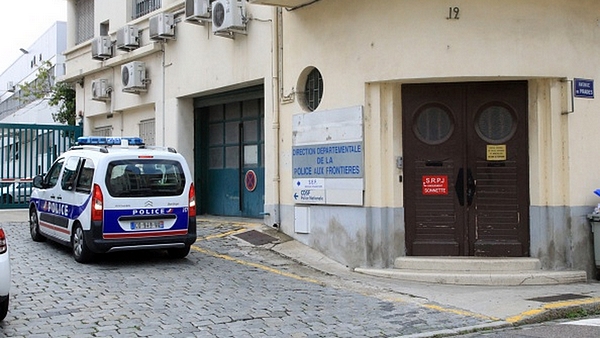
25	151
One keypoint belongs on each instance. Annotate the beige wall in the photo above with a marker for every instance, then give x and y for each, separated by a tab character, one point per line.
359	48
196	63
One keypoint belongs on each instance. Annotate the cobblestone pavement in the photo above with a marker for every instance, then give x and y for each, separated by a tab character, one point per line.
225	288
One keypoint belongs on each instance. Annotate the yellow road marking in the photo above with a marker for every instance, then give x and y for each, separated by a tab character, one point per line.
551	306
459	312
256	265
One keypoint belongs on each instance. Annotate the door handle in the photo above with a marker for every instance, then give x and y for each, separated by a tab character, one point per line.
459	187
471	187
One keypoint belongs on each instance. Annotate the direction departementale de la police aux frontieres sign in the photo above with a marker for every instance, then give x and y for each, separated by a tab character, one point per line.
330	173
332	160
583	88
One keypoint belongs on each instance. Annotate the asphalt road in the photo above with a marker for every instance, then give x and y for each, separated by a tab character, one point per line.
226	287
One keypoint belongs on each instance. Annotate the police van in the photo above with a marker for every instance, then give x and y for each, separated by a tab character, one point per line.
111	194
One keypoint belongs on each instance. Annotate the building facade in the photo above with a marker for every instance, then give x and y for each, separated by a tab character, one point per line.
367	131
29	140
49	47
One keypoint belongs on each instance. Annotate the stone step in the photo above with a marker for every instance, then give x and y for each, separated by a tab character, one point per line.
497	278
476	271
479	264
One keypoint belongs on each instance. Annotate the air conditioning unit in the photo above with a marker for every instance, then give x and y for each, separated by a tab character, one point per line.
281	3
133	77
197	11
228	16
100	90
128	38
162	26
10	87
102	48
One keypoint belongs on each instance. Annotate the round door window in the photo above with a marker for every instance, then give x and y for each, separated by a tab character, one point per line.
433	124
495	124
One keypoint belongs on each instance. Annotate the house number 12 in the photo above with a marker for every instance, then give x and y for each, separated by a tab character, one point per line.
453	13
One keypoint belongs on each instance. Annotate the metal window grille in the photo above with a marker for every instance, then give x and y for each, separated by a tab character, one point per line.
84	12
148	131
143	7
314	89
102	131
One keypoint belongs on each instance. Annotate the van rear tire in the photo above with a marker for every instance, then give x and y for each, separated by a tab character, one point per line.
179	252
81	252
34	226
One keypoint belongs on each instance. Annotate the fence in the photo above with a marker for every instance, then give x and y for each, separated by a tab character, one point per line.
27	150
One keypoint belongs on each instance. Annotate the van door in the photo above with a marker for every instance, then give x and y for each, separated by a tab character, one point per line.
47	203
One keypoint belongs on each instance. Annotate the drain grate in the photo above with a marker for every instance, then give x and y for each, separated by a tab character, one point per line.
256	237
557	298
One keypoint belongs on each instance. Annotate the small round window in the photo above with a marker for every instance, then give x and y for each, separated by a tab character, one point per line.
433	124
495	124
313	89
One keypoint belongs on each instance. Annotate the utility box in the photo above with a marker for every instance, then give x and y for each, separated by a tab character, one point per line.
595	221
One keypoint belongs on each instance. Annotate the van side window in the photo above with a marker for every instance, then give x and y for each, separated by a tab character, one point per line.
52	175
84	183
68	178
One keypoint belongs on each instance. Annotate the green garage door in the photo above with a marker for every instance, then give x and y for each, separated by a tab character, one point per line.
231	158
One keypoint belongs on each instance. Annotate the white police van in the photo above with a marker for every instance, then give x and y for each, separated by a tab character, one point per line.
113	194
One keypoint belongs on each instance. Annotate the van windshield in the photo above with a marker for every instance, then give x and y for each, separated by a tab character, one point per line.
145	178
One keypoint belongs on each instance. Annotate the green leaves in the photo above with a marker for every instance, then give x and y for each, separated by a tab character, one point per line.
59	94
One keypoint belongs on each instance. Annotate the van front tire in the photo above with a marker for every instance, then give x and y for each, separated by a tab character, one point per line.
81	252
4	308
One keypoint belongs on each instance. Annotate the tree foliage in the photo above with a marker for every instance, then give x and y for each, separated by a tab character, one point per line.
59	94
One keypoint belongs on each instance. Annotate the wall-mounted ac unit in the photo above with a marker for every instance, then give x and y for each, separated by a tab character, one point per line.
128	38
281	3
10	87
133	77
102	48
162	26
100	90
197	11
228	16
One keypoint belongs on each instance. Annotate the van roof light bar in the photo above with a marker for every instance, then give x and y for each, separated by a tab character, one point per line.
109	141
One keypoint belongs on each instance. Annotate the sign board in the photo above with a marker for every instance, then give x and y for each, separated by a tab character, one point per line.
340	160
309	183
311	196
496	152
328	157
583	88
435	185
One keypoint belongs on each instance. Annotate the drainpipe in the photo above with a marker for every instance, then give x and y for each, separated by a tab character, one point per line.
277	89
162	48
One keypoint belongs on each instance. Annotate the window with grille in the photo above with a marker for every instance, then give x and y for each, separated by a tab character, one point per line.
313	90
147	132
102	131
143	7
84	13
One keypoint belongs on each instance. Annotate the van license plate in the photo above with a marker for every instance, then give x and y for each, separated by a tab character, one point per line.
144	225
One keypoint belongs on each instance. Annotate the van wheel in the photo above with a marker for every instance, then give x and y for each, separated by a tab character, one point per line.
34	227
81	252
179	252
6	199
4	308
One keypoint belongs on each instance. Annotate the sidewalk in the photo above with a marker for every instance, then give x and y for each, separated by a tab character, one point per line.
502	306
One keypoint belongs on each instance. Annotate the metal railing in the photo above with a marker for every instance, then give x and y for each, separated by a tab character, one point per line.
143	7
27	150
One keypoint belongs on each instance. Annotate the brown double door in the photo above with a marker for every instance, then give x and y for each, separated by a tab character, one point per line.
466	175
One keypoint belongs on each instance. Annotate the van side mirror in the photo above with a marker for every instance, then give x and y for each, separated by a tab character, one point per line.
38	181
